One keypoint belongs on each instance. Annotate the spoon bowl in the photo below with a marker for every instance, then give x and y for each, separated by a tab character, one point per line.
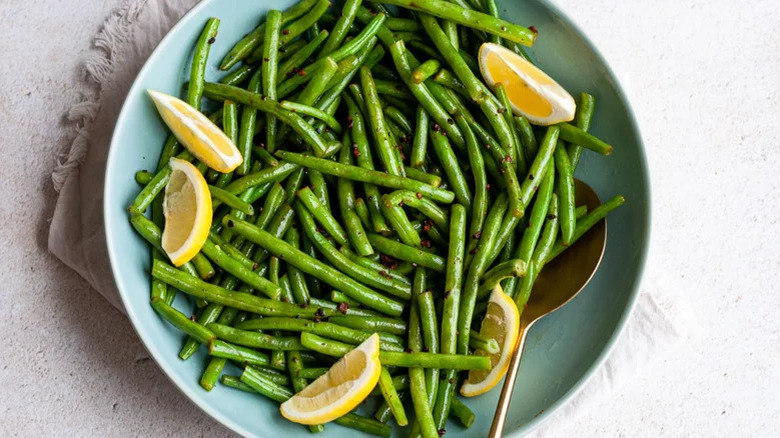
558	283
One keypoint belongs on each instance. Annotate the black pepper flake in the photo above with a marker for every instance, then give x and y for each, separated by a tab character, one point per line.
531	176
450	121
425	349
401	204
211	40
503	28
254	266
474	251
267	59
343	307
302	306
283	299
487	146
478	234
230	224
295	359
192	317
446	294
551	216
457	332
426	243
436	127
286	32
388	262
452	380
487	186
441	432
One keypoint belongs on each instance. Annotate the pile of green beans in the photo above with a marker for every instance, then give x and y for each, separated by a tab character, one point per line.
385	188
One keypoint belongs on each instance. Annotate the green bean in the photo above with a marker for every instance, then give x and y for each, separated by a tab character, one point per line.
273	200
312	373
543	247
585	223
429	325
209	314
537	217
400	223
231	200
346	194
391	397
269	67
475	270
470	18
346	18
362	212
264	176
300	290
322	215
246	45
312	112
254	339
152	234
397	118
425	206
407	253
582	120
479	342
398	359
343	310
449	162
236	353
240	300
264	156
366	175
203	267
423	95
372	324
527	137
238	76
580	211
425	70
319	186
199	59
230	127
296	122
143	177
278	227
378	125
393	89
517	155
293	184
543	157
376	266
182	322
326	329
453	279
447	79
564	189
420	139
315	268
573	134
246	130
462	412
400	383
501	271
339	297
424	177
345	265
291	66
364	160
417	379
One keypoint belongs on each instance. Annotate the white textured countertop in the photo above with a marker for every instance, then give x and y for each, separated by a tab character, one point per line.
704	80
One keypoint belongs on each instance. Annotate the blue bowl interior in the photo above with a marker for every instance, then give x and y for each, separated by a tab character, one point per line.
562	350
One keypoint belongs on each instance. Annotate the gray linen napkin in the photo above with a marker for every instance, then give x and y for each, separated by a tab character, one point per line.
77	236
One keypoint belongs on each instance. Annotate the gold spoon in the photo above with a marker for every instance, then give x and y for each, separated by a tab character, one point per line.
557	284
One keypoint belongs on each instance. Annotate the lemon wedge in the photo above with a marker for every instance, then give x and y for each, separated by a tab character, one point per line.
348	382
197	133
531	92
187	209
502	323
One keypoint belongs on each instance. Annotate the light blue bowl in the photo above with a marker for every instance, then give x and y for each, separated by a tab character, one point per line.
562	351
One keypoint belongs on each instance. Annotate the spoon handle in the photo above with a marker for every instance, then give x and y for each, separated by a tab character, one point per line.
499	418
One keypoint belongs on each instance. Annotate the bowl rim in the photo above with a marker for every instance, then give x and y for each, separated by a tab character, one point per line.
200	402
